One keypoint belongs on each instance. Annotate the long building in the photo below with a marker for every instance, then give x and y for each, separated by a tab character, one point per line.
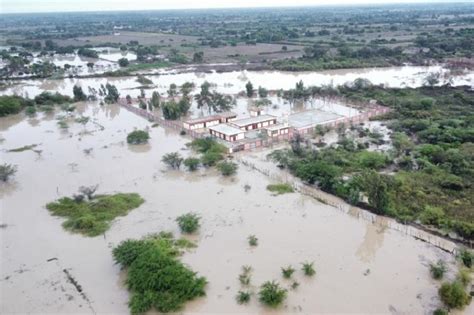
227	132
256	122
208	121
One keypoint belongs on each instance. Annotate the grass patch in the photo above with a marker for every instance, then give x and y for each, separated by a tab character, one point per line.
93	217
280	189
156	278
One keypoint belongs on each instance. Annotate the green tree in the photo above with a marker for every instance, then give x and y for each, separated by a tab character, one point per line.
79	94
249	89
123	62
173	160
377	187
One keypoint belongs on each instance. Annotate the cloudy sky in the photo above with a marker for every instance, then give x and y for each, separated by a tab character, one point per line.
11	6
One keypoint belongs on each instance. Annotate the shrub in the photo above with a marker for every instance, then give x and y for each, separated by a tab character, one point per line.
191	163
287	272
253	240
227	168
437	270
280	188
30	110
123	62
211	158
243	297
156	278
432	216
10	105
189	222
295	285
93	217
453	295
138	137
308	269
464	276
6	171
271	294
467	257
244	277
440	311
173	160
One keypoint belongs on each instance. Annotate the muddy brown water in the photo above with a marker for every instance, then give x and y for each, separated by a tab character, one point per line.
361	266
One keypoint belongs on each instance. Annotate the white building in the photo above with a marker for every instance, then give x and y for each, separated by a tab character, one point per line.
256	122
227	132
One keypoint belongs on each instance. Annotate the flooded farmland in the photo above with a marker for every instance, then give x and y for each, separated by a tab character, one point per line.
371	268
362	266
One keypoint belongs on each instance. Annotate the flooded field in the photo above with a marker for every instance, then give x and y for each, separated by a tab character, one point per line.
362	266
234	82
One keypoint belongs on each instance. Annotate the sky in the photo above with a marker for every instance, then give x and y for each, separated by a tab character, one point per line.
21	6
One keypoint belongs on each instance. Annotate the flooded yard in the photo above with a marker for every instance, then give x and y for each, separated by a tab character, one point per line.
362	266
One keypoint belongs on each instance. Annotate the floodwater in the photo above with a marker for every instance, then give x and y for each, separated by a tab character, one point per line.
362	266
234	82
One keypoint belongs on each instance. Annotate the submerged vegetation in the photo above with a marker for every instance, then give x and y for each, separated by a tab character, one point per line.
189	222
280	189
138	137
271	294
92	216
155	276
7	171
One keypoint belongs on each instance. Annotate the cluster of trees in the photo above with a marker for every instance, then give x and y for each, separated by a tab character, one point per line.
433	154
156	277
213	100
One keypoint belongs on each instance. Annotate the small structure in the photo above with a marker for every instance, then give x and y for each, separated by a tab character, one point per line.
227	132
256	122
208	121
277	130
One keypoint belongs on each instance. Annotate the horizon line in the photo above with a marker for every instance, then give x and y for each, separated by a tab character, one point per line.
243	8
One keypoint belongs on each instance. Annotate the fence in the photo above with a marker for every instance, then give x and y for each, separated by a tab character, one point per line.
256	143
359	213
364	116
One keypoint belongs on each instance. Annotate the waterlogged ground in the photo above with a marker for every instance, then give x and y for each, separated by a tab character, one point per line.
361	265
234	82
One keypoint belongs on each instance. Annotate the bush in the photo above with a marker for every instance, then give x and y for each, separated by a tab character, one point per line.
271	294
191	163
437	270
308	269
287	272
6	171
211	158
30	110
173	160
10	105
440	311
123	62
464	276
189	222
138	137
243	297
227	168
453	295
253	240
280	188
467	257
156	278
93	217
432	216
